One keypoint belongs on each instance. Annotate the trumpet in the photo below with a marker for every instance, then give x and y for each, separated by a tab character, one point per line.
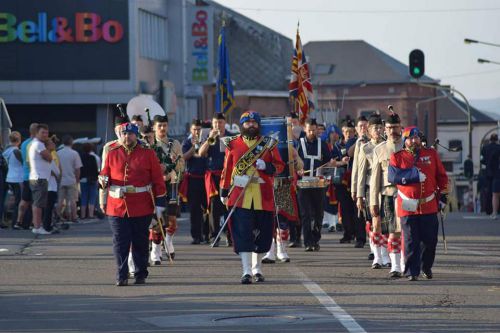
211	140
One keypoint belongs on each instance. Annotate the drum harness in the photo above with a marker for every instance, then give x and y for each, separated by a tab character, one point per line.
311	158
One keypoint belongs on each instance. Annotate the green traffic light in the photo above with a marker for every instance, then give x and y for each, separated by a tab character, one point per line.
416	70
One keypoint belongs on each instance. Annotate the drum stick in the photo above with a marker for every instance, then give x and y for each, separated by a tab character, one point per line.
321	166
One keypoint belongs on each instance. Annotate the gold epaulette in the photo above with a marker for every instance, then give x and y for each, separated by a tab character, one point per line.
227	140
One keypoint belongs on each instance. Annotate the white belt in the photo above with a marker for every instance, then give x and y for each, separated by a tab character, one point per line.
118	191
421	201
242	181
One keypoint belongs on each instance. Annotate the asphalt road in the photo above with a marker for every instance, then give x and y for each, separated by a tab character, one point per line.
65	283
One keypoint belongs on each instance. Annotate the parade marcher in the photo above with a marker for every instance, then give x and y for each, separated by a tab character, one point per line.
422	188
287	210
194	177
172	164
133	180
385	232
213	150
347	211
250	163
364	172
331	217
315	154
360	216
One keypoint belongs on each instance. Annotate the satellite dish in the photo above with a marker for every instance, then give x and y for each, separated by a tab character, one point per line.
138	106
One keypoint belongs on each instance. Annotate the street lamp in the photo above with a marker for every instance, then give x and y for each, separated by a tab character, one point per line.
473	41
486	61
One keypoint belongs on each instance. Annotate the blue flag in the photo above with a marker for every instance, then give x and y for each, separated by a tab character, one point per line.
224	100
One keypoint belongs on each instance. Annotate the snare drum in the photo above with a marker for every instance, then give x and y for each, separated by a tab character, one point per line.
312	182
272	125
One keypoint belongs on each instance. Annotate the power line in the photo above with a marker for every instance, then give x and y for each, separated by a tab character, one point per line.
375	11
470	74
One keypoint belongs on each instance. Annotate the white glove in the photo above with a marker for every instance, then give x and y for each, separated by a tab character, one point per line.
421	176
224	200
159	211
260	164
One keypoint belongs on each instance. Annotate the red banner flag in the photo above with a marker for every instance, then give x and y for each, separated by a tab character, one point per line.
300	87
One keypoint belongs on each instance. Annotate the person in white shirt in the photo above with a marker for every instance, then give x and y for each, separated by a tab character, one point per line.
70	178
39	160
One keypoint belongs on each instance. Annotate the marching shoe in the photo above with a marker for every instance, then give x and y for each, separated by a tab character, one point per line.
246	279
412	278
309	249
121	283
325	225
258	277
172	255
394	275
331	228
388	265
140	281
344	240
316	247
285	259
427	274
359	244
268	261
157	263
195	241
371	256
376	266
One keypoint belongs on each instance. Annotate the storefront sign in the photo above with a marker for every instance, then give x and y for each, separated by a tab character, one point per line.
64	40
200	45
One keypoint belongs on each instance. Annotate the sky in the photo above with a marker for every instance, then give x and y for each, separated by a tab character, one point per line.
437	27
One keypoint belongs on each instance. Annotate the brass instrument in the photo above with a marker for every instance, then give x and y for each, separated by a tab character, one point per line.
212	140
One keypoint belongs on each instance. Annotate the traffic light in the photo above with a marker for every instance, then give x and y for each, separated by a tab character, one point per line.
468	169
417	64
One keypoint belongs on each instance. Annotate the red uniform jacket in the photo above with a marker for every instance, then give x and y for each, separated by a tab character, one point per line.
436	181
139	167
237	148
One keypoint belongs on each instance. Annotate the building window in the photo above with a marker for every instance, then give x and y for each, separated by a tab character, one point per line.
368	113
152	36
323	69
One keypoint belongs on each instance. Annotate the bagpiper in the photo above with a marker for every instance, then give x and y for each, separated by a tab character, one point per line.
386	228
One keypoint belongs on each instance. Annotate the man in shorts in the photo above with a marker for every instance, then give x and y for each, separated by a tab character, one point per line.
39	159
70	178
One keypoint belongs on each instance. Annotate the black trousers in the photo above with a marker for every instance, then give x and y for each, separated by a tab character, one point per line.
217	210
197	202
47	211
130	231
311	203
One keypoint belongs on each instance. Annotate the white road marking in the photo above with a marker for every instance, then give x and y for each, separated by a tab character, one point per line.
4	250
464	250
340	314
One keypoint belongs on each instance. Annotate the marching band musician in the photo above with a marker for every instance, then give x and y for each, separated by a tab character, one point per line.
211	149
172	168
365	167
422	189
315	154
132	179
194	178
382	193
250	163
